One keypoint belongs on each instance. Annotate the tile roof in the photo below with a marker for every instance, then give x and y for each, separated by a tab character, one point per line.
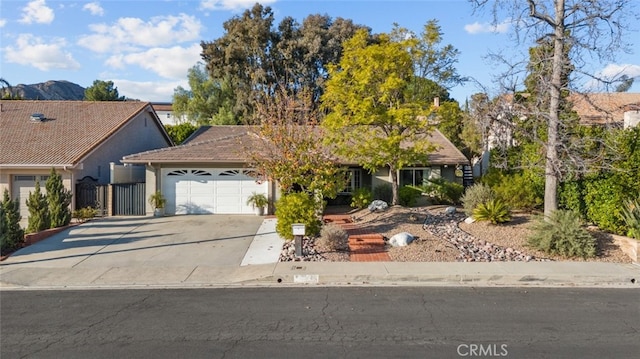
600	108
71	129
221	144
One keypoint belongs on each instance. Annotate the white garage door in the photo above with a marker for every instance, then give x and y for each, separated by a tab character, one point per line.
22	185
198	191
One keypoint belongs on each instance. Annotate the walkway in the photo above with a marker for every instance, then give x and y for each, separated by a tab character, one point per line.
363	246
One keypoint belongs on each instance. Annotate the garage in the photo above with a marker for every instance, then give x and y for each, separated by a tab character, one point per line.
22	186
202	191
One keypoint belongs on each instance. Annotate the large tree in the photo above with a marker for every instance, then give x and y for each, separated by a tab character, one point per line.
102	91
259	57
595	26
377	116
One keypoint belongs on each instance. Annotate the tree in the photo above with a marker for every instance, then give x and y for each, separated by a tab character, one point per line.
38	210
594	26
180	132
58	200
258	57
625	83
375	109
287	149
102	91
208	102
6	91
11	235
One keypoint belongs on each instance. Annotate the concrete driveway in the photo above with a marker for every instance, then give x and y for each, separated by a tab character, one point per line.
127	242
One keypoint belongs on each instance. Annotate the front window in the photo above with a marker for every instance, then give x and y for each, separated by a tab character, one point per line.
354	180
414	176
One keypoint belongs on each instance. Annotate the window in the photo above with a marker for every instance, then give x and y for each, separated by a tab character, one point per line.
24	178
414	176
354	180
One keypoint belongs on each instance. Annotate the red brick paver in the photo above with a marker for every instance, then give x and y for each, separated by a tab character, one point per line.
363	246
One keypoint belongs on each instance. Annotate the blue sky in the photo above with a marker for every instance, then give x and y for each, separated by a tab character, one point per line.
146	46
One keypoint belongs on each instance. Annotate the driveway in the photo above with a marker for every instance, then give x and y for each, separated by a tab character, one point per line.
121	242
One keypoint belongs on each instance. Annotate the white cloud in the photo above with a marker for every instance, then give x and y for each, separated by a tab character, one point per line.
155	91
231	4
43	55
478	28
37	11
614	71
2	23
171	63
94	8
131	34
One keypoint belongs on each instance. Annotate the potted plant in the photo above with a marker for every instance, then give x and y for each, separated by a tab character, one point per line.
258	201
157	202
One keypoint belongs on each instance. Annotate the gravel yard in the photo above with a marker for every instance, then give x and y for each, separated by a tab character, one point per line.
478	241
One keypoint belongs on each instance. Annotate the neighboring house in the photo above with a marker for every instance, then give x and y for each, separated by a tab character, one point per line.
209	173
78	138
165	113
620	109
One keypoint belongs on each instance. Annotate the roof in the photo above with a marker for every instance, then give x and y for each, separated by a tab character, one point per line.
70	129
227	144
600	108
162	106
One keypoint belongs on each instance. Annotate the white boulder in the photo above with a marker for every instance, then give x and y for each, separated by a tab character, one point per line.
401	239
378	205
450	210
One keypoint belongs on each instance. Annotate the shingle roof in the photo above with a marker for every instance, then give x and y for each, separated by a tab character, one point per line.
220	144
71	129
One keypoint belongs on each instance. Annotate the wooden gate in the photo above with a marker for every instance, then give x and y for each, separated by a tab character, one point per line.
128	199
91	194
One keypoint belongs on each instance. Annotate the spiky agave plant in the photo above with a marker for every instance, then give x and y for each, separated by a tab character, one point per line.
494	211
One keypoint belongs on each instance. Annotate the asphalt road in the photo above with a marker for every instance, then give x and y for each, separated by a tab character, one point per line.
364	322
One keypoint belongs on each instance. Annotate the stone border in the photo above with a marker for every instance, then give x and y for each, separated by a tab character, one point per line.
628	245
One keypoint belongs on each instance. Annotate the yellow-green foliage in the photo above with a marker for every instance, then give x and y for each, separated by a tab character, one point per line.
494	211
297	208
361	198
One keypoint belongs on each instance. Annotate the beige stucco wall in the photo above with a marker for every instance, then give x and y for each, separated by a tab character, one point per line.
138	135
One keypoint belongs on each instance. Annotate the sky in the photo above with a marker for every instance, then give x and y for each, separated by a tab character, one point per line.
147	46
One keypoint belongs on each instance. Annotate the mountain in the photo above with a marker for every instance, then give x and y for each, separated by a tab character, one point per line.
50	90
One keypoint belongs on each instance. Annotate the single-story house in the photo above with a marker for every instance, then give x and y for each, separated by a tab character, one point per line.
209	173
80	139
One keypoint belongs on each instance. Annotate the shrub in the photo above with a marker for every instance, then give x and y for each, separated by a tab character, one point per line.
562	233
84	214
58	200
603	199
571	197
475	195
11	235
521	190
38	211
296	208
631	216
333	237
408	195
494	211
442	191
361	198
383	192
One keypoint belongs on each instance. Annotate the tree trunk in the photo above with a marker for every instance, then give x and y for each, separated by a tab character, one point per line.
394	186
551	173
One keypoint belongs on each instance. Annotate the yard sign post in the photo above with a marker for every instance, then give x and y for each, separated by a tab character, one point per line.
298	232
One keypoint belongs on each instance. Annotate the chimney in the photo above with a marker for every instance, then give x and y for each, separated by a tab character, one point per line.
436	102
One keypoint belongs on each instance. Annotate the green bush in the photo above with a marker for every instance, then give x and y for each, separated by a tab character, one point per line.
522	190
297	208
603	197
562	233
11	235
631	216
475	195
571	196
383	192
494	211
408	195
442	191
38	211
361	198
84	214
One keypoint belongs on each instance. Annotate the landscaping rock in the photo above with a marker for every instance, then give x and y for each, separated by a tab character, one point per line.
378	205
401	239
